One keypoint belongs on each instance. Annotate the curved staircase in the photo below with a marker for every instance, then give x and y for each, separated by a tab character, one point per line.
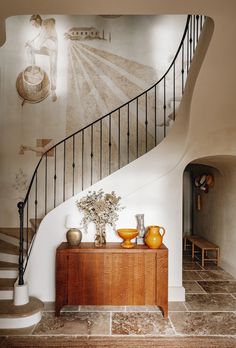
9	255
87	156
12	316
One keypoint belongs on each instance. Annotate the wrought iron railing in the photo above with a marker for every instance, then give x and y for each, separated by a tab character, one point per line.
108	143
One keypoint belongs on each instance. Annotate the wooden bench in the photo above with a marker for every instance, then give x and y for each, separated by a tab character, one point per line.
205	246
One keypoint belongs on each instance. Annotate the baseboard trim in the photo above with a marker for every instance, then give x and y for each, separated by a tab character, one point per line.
176	293
228	268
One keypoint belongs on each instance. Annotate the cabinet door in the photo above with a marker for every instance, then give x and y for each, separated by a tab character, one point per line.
131	279
86	279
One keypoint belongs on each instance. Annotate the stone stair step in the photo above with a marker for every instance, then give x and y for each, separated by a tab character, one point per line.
15	233
7	248
14	317
4	257
8	309
7	294
8	273
8	266
6	284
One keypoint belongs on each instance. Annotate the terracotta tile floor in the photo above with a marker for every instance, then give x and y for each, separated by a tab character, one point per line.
209	309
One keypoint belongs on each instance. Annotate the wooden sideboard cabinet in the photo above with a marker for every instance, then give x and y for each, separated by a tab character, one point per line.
111	275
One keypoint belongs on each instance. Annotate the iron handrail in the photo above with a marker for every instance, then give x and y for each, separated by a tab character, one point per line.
109	113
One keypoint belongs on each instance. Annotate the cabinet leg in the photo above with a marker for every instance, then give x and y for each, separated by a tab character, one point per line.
164	310
57	311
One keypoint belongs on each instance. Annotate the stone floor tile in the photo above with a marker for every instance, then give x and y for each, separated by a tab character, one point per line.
188	259
218	286
208	266
102	308
192	287
191	275
210	302
142	309
215	275
192	267
74	324
140	323
176	307
204	323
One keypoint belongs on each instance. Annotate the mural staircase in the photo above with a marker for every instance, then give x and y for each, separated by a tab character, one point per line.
92	153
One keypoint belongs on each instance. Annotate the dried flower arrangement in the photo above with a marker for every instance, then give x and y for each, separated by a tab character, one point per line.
100	208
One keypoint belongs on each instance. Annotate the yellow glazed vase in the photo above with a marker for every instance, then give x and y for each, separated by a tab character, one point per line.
153	237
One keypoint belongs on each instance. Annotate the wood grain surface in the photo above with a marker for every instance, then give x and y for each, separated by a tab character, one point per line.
111	275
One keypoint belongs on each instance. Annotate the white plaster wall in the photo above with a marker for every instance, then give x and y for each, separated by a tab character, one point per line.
222	218
216	220
187	203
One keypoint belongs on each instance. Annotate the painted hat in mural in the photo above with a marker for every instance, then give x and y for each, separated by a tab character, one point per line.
33	84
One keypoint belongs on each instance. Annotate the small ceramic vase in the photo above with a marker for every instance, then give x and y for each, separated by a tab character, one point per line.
73	236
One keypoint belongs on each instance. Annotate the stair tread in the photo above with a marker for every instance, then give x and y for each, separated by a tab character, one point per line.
7	283
8	248
9	310
14	232
8	265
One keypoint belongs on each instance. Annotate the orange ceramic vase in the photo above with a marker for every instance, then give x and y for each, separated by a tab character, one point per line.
153	237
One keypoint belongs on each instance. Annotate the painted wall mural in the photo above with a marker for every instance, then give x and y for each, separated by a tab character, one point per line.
33	83
42	145
60	73
20	184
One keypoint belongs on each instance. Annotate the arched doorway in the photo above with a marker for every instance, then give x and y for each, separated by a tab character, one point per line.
209	212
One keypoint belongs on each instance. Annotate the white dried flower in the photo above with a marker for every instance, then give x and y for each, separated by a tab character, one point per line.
100	208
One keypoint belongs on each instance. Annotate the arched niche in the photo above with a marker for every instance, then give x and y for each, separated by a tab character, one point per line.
211	214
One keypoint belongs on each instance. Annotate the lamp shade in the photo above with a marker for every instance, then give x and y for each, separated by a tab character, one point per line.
72	221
